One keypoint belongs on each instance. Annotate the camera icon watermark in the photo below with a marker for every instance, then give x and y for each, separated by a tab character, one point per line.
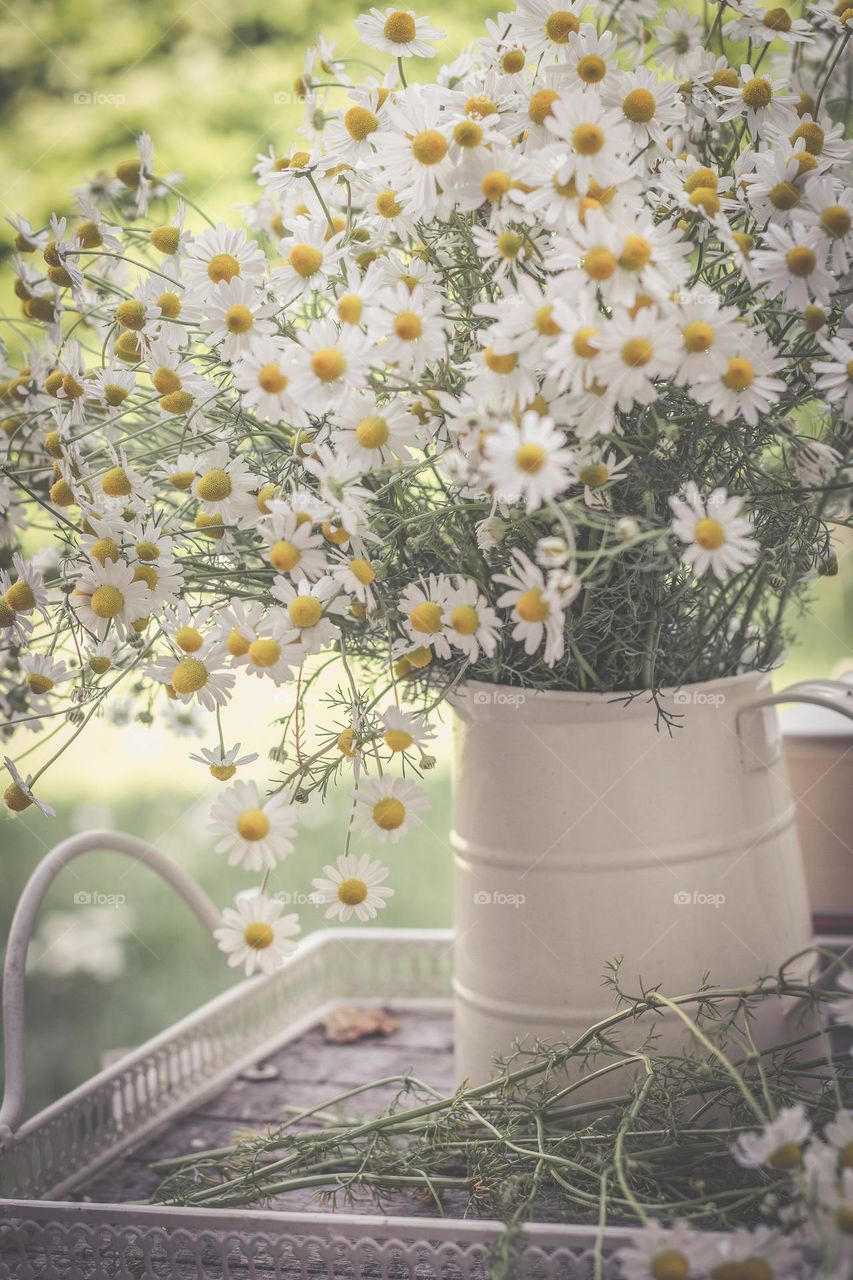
485	898
295	898
696	898
497	698
95	898
698	698
97	98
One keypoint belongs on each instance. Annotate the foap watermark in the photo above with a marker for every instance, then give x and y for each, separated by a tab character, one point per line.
698	698
696	898
296	898
497	697
95	898
485	898
97	98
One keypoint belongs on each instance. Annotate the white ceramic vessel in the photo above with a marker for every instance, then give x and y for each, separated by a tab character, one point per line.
582	833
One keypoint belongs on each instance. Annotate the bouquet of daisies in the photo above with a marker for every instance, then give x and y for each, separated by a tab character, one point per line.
537	373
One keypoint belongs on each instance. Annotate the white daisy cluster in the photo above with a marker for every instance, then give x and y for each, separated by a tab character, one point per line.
539	372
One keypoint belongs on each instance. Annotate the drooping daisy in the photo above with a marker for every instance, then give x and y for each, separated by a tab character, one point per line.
536	612
527	462
254	933
390	806
471	625
43	673
398	32
715	534
253	832
19	794
352	885
110	594
26	592
221	763
779	1145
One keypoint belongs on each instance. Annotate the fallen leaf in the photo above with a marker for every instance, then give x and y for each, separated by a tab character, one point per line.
347	1024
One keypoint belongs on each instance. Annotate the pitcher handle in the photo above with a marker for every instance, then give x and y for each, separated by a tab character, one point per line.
756	739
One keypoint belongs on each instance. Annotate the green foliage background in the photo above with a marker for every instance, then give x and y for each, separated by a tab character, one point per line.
212	82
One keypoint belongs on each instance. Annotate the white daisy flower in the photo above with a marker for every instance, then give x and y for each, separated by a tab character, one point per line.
352	886
398	32
790	262
762	103
264	376
294	547
331	365
651	108
254	933
536	612
309	606
597	139
110	594
310	255
779	1145
221	255
678	36
403	730
423	606
221	763
657	1251
43	673
390	806
410	329
716	535
416	151
200	675
253	832
636	351
18	796
238	316
528	462
829	208
747	386
27	591
376	433
471	625
545	27
835	375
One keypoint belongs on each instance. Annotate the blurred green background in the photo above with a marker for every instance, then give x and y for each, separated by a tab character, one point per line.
213	84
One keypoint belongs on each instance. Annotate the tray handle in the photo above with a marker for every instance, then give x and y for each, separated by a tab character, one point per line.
14	968
758	745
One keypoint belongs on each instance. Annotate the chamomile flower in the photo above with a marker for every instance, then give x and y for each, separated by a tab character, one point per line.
747	387
271	653
310	607
310	257
835	374
544	27
254	933
651	108
715	534
471	625
779	1145
352	886
26	592
590	57
423	608
264	375
757	99
596	139
201	675
678	36
829	208
332	364
110	595
19	794
528	462
238	316
223	764
377	432
398	32
410	329
536	613
389	807
43	673
790	262
223	483
254	833
219	256
657	1251
635	353
416	152
403	730
356	574
294	548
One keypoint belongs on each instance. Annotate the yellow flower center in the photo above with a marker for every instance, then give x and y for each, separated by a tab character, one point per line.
284	556
21	596
513	61
709	533
189	639
362	571
560	24
166	239
253	824
530	458
426	617
214	485
398	739
542	105
40	684
305	611
429	147
784	196
698	336
237	644
835	220
359	123
166	381
757	92
801	260
464	619
639	106
223	772
812	135
389	813
223	266
306	259
264	652
739	375
705	198
209	526
500	363
130	314
599	263
271	379
587	139
116	483
785	1158
399	28
104	549
531	606
189	676
778	19
591	69
106	602
468	133
387	204
509	245
419	658
595	475
238	318
335	533
350	308
352	892
16	799
495	185
170	305
637	352
99	665
408	326
545	322
176	402
258	935
582	343
670	1264
328	364
701	177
